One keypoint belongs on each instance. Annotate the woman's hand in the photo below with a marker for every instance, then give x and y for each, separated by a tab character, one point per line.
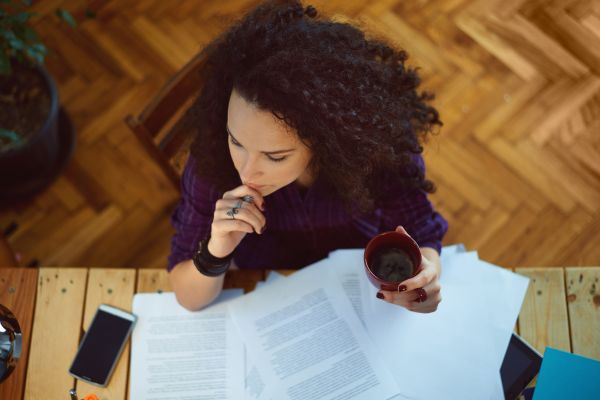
229	226
422	292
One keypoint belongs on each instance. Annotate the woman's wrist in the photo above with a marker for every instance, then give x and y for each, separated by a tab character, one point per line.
208	264
216	250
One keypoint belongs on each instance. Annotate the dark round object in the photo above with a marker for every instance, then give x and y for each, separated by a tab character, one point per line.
389	240
10	342
392	264
27	169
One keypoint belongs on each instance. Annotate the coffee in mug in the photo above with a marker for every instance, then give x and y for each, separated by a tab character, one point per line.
391	258
392	264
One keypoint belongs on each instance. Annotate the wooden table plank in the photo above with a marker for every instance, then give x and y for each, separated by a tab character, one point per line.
284	272
583	301
114	287
243	279
61	296
57	329
153	280
16	286
543	320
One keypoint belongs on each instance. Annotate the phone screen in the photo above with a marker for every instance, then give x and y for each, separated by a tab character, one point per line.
101	346
519	367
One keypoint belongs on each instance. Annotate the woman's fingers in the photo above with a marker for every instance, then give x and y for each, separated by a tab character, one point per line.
228	204
230	225
423	278
247	212
411	299
244	190
401	298
430	305
400	228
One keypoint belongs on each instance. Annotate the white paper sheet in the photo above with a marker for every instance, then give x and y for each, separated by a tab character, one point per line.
273	276
453	249
350	277
348	260
254	384
307	341
429	355
497	393
438	355
178	354
349	266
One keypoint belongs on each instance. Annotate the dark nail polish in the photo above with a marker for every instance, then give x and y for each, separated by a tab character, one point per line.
402	288
380	295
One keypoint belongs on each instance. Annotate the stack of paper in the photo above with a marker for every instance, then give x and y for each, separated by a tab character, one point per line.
177	354
321	333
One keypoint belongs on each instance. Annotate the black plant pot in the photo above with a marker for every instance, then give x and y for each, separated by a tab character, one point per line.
31	167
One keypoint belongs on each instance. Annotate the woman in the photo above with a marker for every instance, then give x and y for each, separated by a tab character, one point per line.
307	140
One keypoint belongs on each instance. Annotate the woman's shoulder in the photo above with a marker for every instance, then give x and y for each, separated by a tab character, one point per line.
194	184
393	184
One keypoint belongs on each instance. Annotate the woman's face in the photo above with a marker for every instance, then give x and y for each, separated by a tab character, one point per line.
267	154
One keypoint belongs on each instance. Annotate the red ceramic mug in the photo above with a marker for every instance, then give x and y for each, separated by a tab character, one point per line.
381	245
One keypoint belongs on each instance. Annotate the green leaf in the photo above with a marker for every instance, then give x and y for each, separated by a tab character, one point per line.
22	17
16	44
30	35
66	16
35	54
11	136
8	35
13	41
30	51
40	48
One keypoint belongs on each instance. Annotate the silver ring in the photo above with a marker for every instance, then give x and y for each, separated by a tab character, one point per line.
232	212
248	199
239	204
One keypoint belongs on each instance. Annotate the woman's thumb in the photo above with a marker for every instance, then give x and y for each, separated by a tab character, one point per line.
399	228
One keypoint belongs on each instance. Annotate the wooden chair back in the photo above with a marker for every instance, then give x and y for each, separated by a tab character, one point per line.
160	128
7	255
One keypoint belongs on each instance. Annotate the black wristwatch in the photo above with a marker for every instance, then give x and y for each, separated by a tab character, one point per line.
207	264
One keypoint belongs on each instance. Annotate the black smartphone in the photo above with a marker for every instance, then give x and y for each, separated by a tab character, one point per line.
520	365
102	344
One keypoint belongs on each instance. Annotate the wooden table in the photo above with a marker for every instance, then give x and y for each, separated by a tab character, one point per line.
53	305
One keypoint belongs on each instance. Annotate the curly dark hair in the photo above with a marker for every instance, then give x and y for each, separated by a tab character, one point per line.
350	99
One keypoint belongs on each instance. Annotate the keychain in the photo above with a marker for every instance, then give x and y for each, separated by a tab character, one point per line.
73	395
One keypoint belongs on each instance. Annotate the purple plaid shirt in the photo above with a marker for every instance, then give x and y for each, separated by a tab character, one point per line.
301	229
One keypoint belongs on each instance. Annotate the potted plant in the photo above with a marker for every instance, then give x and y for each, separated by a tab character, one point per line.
36	137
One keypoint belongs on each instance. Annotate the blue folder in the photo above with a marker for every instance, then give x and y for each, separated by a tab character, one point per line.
567	376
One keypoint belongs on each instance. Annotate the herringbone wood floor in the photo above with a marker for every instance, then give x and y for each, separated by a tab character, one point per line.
517	162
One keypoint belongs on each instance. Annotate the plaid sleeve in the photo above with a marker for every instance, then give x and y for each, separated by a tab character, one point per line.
193	215
412	209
